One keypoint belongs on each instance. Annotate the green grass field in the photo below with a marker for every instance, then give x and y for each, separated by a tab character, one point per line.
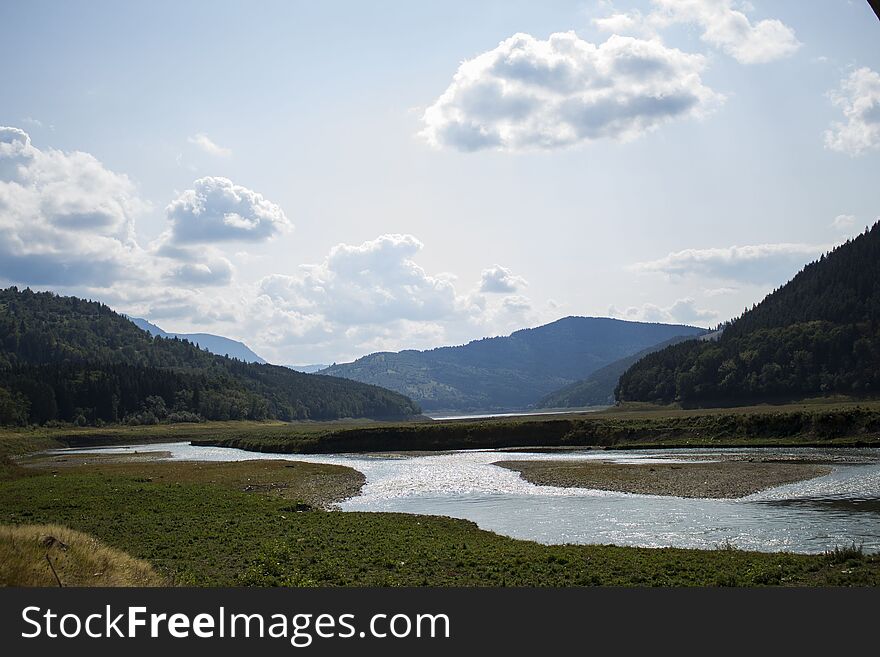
195	532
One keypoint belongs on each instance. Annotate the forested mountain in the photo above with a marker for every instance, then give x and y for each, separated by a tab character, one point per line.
818	334
598	388
508	372
216	344
63	358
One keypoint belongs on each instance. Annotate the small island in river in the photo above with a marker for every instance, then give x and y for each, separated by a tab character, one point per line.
716	479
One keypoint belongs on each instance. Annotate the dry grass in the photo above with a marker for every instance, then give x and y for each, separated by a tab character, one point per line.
78	559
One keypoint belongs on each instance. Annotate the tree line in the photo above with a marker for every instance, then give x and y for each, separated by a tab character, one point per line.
817	335
70	360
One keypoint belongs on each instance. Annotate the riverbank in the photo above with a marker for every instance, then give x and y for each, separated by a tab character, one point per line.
805	425
818	423
211	527
723	479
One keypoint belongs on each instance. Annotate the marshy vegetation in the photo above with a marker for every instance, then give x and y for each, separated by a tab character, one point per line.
213	534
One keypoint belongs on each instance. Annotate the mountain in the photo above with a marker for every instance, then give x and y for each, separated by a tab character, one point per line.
508	372
308	369
818	334
598	388
216	344
63	358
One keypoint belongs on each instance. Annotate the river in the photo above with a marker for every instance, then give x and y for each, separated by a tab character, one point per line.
810	516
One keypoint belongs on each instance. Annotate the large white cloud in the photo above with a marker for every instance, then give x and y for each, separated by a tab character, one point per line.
374	282
722	25
859	99
755	263
530	93
218	210
65	219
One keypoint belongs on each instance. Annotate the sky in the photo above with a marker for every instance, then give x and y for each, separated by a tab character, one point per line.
326	180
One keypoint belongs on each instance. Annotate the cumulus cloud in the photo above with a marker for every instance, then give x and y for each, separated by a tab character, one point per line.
723	27
65	219
859	99
682	310
218	210
500	280
756	263
207	145
528	93
373	282
67	224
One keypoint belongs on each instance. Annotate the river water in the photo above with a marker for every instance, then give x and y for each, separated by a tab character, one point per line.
810	516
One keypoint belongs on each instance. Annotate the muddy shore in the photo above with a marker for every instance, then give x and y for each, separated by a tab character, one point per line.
723	479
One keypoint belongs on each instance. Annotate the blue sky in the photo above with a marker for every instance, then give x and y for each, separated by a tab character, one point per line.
323	180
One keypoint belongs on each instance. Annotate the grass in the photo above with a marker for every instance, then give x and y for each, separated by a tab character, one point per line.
845	554
208	531
52	555
315	485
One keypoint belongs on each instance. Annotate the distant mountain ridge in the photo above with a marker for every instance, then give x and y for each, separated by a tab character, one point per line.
308	369
508	372
216	344
819	334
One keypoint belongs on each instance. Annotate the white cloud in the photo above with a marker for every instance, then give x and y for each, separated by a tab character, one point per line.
624	23
218	210
683	311
720	291
374	282
67	224
723	27
755	263
843	222
517	304
500	280
859	99
202	271
64	218
206	144
534	94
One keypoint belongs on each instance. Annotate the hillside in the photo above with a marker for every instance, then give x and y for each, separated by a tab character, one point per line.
598	388
63	358
817	335
216	344
508	372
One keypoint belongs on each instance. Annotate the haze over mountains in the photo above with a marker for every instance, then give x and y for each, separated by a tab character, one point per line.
216	344
510	372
